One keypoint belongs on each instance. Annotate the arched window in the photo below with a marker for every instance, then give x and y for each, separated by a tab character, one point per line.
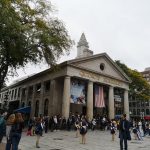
22	104
46	107
36	108
29	103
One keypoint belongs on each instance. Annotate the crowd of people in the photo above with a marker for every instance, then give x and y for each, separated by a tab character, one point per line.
12	125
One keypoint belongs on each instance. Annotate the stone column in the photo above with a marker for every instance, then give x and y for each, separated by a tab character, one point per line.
111	103
126	104
27	94
51	106
17	93
41	99
66	98
33	102
20	102
89	112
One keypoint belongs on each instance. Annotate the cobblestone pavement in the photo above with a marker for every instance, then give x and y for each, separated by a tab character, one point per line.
64	140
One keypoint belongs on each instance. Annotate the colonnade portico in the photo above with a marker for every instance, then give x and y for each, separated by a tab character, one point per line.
66	98
89	104
90	100
126	103
111	103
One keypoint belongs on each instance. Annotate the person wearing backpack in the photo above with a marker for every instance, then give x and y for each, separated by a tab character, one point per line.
83	130
113	129
38	130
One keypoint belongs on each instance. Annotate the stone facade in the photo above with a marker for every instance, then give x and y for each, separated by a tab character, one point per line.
48	92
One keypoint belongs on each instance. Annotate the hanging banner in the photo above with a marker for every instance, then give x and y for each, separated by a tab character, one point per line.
99	97
77	92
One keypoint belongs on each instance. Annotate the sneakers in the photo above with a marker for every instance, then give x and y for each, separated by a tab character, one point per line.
37	146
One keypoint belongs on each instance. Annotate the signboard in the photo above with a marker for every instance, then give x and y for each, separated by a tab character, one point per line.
117	98
77	92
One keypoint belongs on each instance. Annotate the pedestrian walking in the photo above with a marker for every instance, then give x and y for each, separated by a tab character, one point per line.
124	132
77	127
83	130
38	130
93	124
113	129
135	130
16	131
10	121
55	123
30	126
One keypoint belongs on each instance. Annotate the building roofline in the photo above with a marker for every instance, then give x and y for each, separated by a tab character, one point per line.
69	62
98	55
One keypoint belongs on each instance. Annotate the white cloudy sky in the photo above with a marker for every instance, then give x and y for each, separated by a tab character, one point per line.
121	28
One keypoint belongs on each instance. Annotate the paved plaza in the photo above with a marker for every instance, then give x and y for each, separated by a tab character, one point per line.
64	140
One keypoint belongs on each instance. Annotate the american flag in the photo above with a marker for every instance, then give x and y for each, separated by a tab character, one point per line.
99	97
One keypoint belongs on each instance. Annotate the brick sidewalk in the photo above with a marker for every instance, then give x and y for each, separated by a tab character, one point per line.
2	146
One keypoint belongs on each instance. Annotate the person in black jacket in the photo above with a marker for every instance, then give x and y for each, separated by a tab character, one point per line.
124	132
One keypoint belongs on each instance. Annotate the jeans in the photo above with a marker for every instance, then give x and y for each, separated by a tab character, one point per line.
123	138
8	144
15	141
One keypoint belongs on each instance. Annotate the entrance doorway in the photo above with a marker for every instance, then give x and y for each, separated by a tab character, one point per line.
84	110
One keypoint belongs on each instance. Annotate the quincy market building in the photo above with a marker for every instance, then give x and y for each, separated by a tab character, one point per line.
90	84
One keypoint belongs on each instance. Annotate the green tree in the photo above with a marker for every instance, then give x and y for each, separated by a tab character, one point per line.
139	87
29	33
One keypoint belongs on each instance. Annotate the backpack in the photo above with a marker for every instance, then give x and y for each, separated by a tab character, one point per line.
37	130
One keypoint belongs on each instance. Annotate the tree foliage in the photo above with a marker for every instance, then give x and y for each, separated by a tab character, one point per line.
29	33
139	87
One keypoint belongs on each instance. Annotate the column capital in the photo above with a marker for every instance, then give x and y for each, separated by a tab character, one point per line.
67	77
111	87
126	90
89	81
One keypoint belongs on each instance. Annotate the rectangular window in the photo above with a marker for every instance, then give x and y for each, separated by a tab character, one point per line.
12	94
134	111
138	104
142	104
47	86
30	90
147	103
15	93
147	112
19	92
138	111
38	88
24	92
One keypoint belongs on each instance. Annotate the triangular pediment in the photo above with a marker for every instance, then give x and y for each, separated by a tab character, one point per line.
102	64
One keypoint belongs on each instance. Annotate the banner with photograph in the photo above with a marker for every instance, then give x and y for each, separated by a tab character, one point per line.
77	92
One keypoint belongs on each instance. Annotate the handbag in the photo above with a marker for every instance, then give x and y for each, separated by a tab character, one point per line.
128	136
